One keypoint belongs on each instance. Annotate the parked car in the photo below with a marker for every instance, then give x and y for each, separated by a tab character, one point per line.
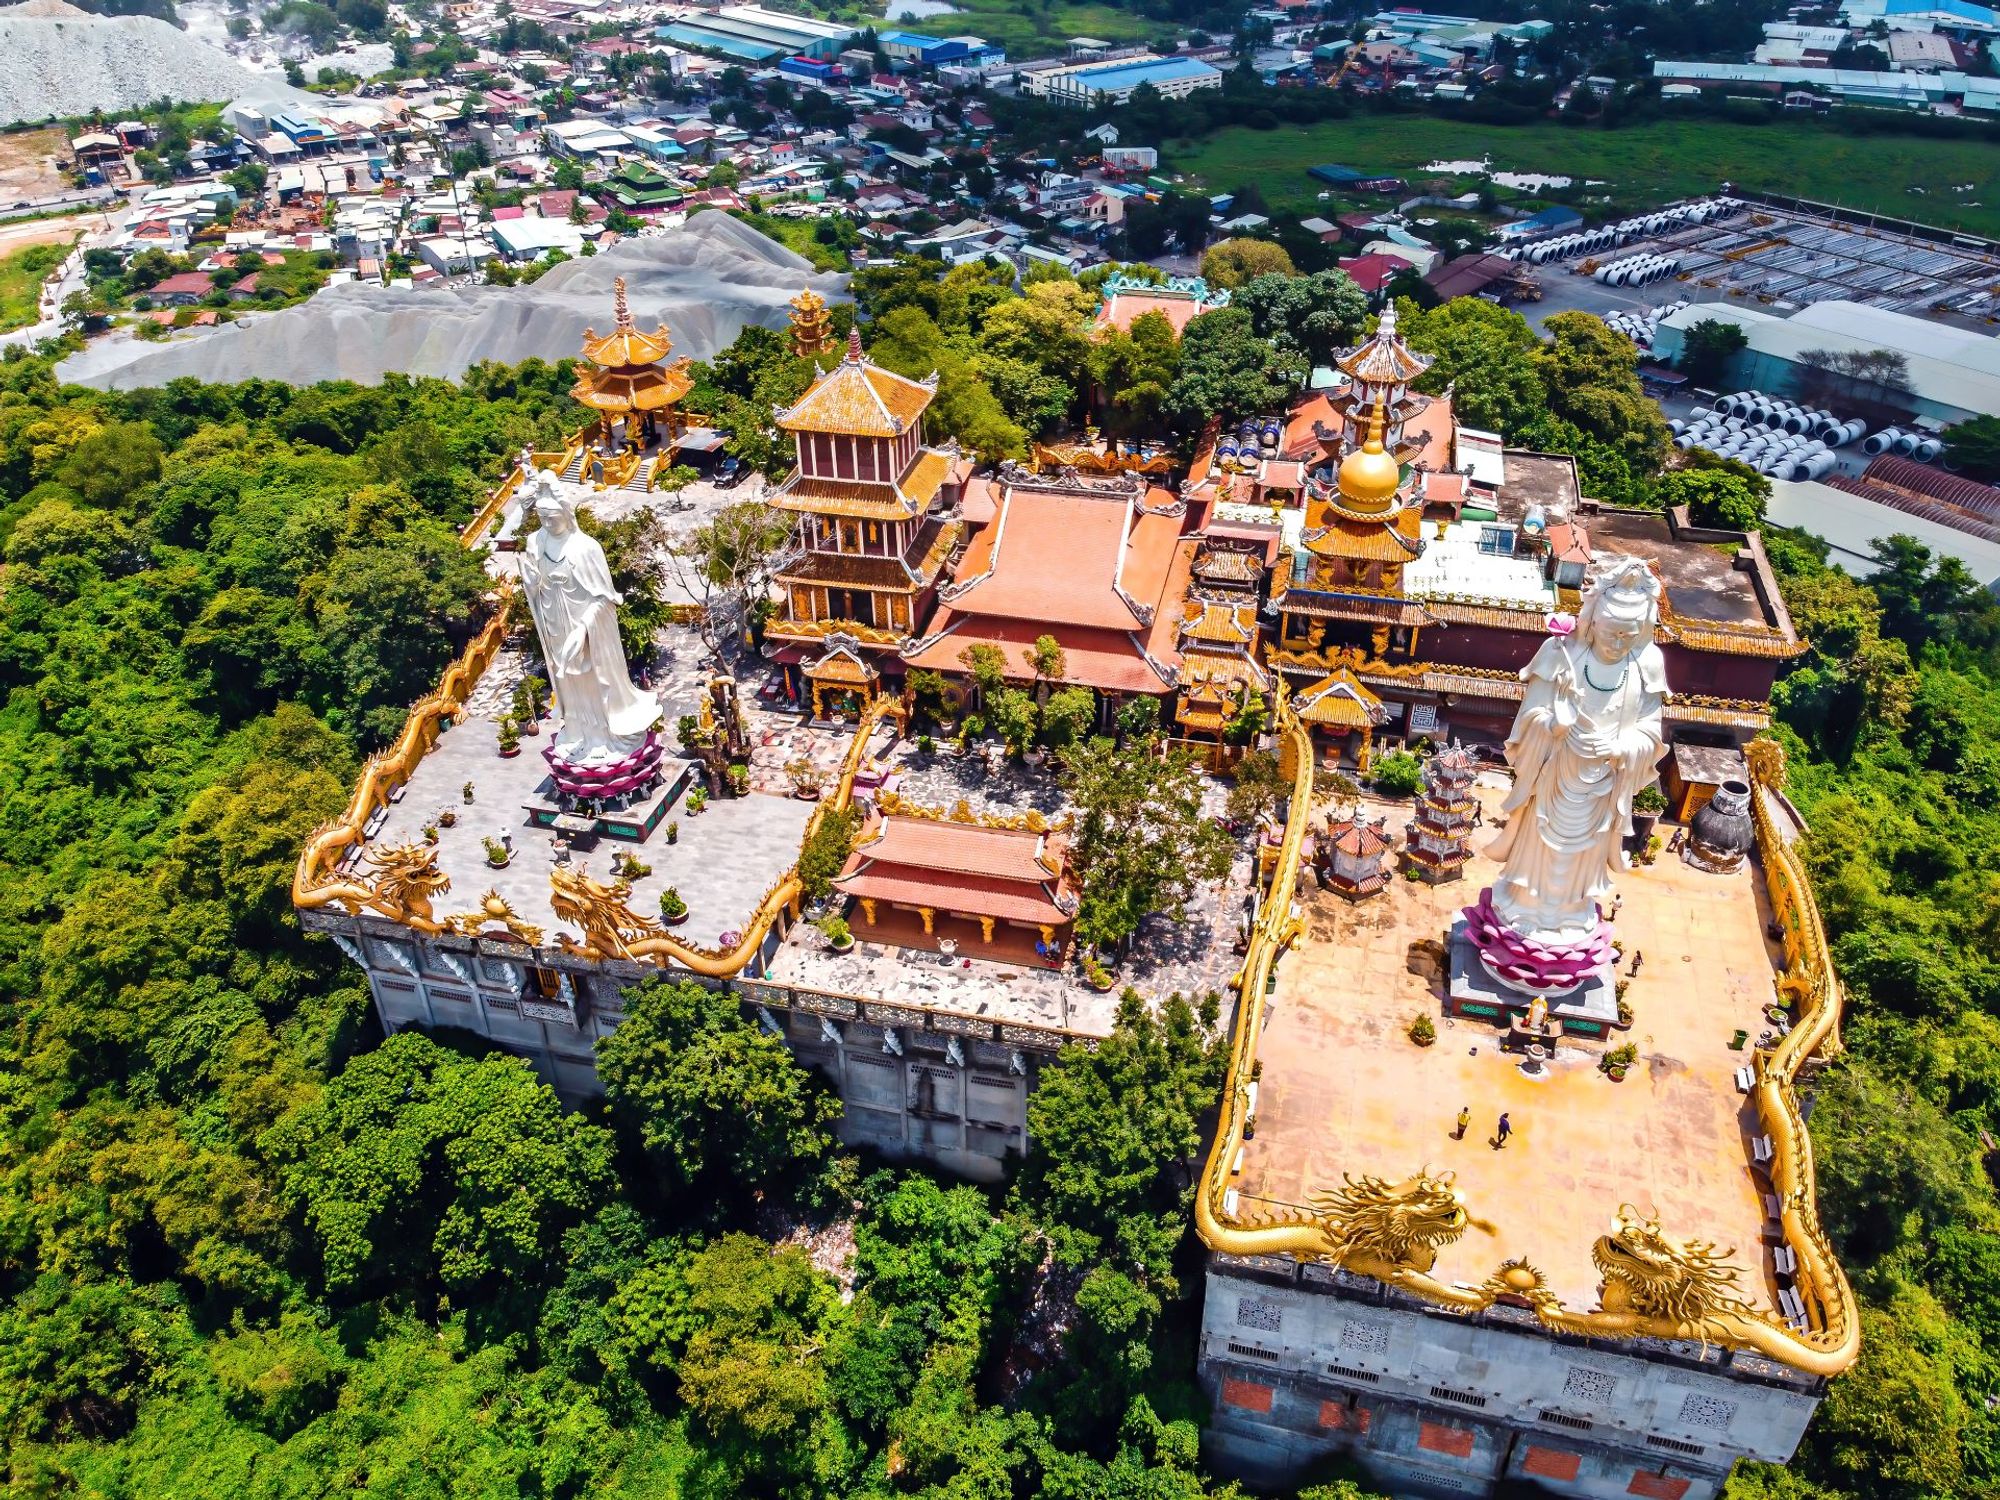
729	473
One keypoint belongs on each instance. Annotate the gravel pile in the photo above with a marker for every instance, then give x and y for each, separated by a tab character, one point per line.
62	61
707	280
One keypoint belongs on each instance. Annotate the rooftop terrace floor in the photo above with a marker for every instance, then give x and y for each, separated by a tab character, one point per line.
1344	1091
725	860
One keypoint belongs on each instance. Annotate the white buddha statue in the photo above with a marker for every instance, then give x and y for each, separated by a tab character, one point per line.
602	717
1587	738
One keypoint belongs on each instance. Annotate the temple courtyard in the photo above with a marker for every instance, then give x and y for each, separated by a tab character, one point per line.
1345	1091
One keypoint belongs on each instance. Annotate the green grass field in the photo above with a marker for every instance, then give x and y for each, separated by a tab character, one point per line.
1035	28
1641	166
21	278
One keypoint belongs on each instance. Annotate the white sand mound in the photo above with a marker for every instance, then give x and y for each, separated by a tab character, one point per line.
707	280
62	61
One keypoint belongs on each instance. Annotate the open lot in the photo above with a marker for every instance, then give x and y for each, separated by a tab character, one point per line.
1027	31
28	164
1641	166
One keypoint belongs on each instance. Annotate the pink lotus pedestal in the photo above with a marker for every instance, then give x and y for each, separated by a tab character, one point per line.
1496	974
608	778
1540	968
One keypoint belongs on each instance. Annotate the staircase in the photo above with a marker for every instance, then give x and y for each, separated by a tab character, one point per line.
573	470
640	480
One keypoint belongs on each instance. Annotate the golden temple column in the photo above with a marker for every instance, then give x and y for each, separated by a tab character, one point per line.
1367	744
929	915
868	909
986	929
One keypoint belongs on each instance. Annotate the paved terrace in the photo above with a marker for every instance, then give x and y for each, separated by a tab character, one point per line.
1343	1090
726	859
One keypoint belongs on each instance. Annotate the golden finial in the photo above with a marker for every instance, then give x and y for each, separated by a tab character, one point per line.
618	304
1370	476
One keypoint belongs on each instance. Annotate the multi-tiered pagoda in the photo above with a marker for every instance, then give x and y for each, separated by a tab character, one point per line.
627	378
812	324
1440	834
873	534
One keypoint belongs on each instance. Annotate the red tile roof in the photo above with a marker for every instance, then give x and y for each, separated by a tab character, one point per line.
1372	272
962	868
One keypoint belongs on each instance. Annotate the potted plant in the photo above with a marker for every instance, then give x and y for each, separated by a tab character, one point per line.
466	792
807	778
673	910
498	855
510	738
447	817
1647	805
739	781
839	936
430	833
697	800
926	746
624	862
1624	1022
1423	1031
1618	1061
1096	975
673	831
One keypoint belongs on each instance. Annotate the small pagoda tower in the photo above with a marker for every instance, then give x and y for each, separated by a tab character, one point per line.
1440	835
627	376
1354	856
812	324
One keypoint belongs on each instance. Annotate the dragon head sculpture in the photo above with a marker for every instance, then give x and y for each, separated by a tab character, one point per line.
609	924
1381	1227
1649	1272
407	878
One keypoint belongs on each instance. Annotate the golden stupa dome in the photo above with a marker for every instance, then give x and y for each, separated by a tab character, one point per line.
1370	475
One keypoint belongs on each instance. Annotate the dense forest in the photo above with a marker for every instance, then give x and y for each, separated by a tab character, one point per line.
248	1248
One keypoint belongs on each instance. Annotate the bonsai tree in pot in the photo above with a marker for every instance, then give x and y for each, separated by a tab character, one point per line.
1095	974
673	831
498	855
1423	1031
839	936
1647	805
739	781
673	910
697	800
510	738
807	778
1618	1060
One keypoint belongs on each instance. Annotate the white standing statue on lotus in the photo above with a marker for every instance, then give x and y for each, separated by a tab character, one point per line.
604	720
1586	740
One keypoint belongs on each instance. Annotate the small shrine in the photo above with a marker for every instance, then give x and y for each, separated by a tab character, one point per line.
1353	857
1440	834
812	324
627	379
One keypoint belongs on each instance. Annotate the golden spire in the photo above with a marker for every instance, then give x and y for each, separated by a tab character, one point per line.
812	327
1370	475
618	304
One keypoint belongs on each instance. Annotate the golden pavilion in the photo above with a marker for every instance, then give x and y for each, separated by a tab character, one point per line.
812	324
627	378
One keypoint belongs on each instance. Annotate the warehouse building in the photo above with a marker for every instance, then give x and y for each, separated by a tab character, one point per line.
1113	83
754	34
1954	373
